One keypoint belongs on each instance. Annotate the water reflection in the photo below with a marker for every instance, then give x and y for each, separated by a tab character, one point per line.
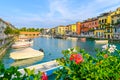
83	39
52	50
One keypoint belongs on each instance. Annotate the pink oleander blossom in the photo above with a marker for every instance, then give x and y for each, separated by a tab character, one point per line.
44	76
77	58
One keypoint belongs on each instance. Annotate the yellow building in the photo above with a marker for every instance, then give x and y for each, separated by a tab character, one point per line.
99	33
53	31
106	30
115	12
106	24
74	28
116	24
69	27
62	30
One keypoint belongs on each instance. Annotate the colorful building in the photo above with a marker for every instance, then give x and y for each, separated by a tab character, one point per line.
84	28
73	28
53	31
56	30
69	28
62	30
117	11
78	25
88	26
29	34
3	25
105	30
116	25
2	28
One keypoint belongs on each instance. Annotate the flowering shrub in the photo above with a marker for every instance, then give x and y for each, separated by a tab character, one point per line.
44	76
12	73
77	58
79	65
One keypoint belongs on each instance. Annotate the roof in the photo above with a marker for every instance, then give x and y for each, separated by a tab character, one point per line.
115	15
104	14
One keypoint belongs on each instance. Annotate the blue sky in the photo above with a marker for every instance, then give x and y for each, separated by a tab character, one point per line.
51	13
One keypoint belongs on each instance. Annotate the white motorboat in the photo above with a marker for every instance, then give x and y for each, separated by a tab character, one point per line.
26	54
101	41
22	44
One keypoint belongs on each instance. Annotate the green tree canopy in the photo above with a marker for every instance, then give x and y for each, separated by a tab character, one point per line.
8	30
30	29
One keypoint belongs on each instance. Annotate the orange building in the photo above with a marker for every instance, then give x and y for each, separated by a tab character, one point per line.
29	34
78	24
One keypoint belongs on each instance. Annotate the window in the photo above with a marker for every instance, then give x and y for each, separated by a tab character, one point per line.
102	21
112	21
108	30
115	30
117	20
105	20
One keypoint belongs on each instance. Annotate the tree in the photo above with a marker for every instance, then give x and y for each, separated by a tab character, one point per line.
41	30
23	29
16	32
8	30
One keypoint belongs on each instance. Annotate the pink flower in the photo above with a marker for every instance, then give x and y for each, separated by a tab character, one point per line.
44	76
72	56
77	58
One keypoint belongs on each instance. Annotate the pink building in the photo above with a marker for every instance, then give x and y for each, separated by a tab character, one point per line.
89	25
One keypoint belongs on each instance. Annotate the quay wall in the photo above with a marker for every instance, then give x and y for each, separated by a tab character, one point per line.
4	48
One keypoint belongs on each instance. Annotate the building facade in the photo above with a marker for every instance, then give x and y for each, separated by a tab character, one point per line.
2	28
84	29
62	30
105	29
88	27
29	34
78	25
116	24
3	25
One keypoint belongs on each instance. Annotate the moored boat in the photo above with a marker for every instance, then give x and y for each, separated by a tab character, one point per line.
25	54
101	41
27	61
22	44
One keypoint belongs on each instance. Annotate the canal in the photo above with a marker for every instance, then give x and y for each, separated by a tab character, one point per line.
52	48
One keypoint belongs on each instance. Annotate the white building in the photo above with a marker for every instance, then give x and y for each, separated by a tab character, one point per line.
3	25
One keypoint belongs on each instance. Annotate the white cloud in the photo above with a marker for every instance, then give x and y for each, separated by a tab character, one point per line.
61	12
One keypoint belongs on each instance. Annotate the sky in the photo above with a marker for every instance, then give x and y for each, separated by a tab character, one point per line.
52	13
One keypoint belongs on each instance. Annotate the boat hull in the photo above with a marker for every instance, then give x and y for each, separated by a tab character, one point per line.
101	41
26	54
17	45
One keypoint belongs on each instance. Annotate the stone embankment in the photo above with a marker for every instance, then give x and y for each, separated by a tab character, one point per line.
4	48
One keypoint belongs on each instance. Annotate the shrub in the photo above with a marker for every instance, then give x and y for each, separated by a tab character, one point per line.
79	65
12	73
